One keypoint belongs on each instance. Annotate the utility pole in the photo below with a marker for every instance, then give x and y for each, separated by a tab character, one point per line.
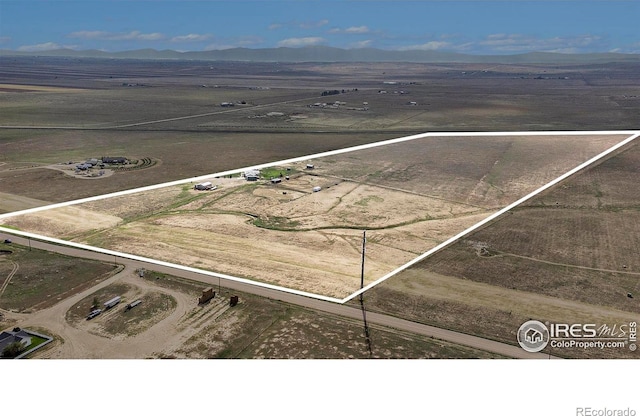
364	247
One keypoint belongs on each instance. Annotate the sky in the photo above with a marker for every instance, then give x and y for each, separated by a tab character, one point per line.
472	27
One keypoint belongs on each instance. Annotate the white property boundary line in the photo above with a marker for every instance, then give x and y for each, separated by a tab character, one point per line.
495	215
633	135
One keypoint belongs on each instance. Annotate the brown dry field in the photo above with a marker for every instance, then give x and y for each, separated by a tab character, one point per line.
568	255
450	97
288	236
88	97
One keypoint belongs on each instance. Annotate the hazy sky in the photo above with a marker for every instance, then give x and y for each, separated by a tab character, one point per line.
476	27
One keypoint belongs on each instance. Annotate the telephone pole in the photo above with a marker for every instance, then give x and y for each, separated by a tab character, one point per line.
364	248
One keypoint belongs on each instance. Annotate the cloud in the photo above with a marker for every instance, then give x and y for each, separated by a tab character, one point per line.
191	37
41	47
297	42
275	26
230	43
357	29
514	43
361	44
101	35
433	45
353	30
149	36
5	39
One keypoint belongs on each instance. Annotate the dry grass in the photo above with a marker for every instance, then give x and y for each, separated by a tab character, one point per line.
43	279
564	257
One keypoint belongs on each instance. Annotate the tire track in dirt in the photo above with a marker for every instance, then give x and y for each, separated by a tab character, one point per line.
15	269
573	266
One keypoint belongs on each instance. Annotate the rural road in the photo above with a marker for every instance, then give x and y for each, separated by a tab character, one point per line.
166	120
315	304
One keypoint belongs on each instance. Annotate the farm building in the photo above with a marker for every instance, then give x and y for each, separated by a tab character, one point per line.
252	175
204	186
310	166
226	104
114	160
276	180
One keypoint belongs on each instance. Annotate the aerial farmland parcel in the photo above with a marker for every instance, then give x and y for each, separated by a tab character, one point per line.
410	195
450	240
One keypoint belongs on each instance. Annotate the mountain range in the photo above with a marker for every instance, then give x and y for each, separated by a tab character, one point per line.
331	54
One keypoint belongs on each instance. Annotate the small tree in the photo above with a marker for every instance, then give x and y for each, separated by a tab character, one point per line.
95	304
13	350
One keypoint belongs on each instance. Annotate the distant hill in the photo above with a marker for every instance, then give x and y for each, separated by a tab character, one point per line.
330	54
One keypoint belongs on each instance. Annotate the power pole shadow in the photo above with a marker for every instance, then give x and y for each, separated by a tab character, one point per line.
366	327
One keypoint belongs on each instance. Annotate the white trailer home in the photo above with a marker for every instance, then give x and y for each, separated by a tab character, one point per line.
111	303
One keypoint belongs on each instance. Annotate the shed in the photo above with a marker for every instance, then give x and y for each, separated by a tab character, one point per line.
316	189
252	175
204	186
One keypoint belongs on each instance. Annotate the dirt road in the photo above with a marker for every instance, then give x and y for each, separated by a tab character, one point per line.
81	344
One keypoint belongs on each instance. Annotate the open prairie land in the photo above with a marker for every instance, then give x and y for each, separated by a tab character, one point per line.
170	111
568	255
409	196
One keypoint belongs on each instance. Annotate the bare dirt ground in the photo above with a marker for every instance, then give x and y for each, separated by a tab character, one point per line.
71	171
170	324
87	339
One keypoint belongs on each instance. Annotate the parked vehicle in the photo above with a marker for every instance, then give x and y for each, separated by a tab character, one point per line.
94	313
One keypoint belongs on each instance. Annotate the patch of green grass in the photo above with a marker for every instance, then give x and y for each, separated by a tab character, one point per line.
274	172
276	223
9	227
365	201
